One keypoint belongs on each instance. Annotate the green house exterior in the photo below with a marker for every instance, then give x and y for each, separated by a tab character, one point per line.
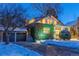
44	28
44	31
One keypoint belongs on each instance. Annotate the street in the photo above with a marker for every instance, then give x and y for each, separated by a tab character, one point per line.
51	50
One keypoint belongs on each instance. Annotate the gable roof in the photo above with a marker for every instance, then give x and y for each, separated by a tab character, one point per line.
57	20
51	18
41	18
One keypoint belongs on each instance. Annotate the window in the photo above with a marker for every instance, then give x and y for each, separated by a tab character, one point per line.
46	30
57	28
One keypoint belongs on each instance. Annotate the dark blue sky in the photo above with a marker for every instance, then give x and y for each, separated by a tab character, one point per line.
70	12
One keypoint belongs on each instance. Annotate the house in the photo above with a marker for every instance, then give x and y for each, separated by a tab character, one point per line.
46	28
19	34
49	27
40	29
74	29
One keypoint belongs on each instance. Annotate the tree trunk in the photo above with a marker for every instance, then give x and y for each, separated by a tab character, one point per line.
7	37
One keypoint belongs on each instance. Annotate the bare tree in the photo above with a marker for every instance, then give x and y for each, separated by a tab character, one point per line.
48	8
11	16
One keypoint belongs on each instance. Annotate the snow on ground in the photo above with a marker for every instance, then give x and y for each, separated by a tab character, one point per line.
16	50
70	44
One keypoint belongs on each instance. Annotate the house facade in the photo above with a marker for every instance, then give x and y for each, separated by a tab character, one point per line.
15	36
76	28
48	28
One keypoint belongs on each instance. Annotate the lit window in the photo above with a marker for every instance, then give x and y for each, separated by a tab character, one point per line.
46	30
43	21
58	28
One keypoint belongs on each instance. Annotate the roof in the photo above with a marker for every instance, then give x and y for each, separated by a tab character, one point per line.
16	29
71	23
40	18
20	29
57	20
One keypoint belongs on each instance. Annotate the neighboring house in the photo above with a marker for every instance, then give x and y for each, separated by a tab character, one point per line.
19	34
76	26
74	29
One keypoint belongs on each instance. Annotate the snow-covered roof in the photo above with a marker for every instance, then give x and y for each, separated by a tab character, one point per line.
1	28
16	29
71	23
41	18
20	29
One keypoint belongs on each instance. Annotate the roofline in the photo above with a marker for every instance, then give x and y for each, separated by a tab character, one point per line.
40	18
60	22
57	20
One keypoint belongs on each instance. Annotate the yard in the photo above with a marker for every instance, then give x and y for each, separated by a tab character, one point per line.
16	50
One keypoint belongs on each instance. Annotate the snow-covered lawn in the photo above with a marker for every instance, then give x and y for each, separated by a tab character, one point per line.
16	50
70	44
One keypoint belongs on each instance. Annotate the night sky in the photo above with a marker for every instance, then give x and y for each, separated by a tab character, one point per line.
70	12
